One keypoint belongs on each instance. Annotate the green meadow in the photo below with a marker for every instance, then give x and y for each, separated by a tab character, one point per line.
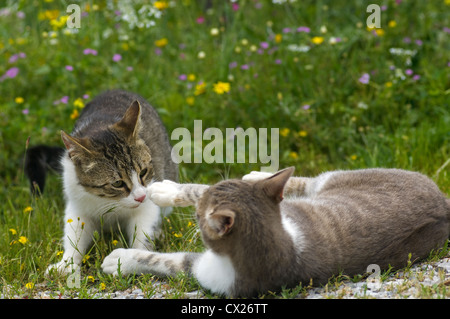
342	96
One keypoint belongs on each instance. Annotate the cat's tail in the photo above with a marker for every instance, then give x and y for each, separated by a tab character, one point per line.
38	160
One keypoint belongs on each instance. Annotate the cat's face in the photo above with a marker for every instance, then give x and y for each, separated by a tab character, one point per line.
114	163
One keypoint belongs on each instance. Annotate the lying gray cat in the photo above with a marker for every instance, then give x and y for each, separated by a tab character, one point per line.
338	221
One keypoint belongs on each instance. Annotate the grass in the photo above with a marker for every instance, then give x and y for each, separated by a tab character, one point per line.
327	116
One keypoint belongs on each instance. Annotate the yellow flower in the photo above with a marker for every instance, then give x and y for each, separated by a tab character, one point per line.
27	209
303	133
388	84
317	40
293	155
161	5
78	103
200	88
379	32
91	278
190	100
190	224
114	242
161	42
102	286
19	100
221	87
70	220
278	38
51	14
392	24
13	231
86	258
353	157
191	77
23	240
29	285
284	132
74	114
59	23
59	253
178	235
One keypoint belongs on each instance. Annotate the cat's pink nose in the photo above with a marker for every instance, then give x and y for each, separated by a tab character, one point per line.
140	199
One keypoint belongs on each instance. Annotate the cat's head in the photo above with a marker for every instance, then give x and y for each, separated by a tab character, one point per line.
114	162
241	209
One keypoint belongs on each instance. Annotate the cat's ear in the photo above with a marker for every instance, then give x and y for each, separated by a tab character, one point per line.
273	186
221	221
75	145
130	121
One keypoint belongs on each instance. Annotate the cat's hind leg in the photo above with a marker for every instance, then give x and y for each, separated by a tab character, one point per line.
295	186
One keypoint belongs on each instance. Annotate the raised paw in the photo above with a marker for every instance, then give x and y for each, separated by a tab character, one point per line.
166	193
255	176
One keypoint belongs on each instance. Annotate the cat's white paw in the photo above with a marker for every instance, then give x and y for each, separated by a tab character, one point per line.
63	267
165	193
120	259
255	176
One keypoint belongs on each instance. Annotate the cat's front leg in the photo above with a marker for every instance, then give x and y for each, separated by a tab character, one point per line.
168	193
77	238
136	261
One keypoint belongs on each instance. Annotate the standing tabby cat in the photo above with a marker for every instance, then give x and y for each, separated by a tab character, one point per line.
338	221
117	148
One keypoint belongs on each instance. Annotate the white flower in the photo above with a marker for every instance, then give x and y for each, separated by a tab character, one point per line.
298	48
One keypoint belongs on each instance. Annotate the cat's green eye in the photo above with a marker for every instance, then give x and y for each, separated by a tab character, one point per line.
143	172
118	184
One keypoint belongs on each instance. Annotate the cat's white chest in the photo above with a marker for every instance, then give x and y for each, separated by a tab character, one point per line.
215	272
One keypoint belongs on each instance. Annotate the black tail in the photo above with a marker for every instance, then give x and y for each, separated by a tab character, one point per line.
38	160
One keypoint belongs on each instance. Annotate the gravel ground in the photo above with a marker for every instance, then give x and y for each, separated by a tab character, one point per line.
426	280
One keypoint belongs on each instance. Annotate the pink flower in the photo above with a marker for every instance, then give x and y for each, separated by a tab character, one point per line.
89	51
264	45
409	72
200	20
69	68
364	79
416	77
235	6
25	111
64	99
117	57
303	29
13	58
10	73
